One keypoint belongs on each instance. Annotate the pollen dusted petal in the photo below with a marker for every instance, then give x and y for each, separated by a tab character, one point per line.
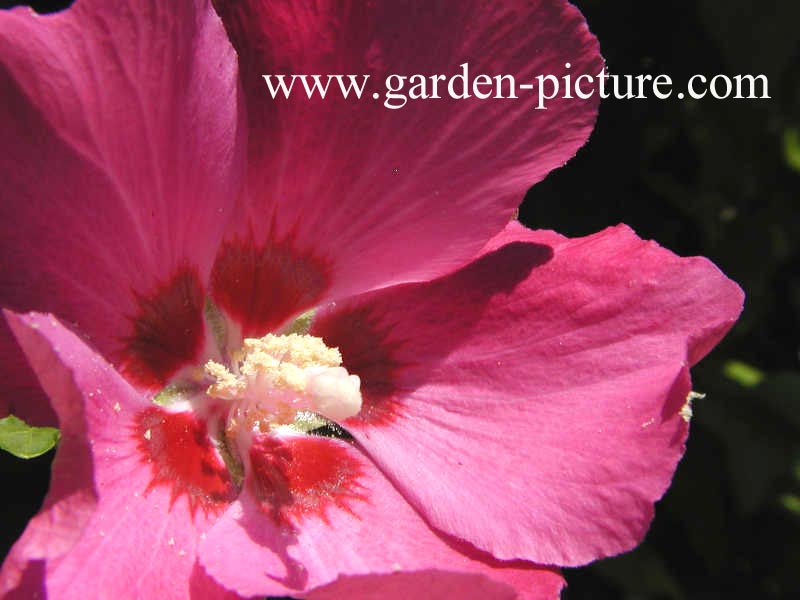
261	286
72	497
168	330
297	477
183	458
347	522
131	543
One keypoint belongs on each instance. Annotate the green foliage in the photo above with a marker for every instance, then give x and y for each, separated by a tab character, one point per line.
742	373
791	148
301	324
24	441
791	502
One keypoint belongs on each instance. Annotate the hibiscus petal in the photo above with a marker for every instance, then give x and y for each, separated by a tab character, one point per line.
304	520
139	541
71	497
435	585
535	397
22	393
380	196
122	138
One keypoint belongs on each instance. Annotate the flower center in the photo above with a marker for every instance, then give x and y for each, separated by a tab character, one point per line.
273	378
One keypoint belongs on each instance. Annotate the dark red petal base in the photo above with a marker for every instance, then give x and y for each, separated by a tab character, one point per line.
366	353
182	455
168	330
260	287
293	478
378	343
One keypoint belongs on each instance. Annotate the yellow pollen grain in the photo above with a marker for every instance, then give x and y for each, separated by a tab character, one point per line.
301	350
686	410
280	360
291	377
227	384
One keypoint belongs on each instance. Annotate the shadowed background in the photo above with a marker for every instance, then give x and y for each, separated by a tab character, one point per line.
719	178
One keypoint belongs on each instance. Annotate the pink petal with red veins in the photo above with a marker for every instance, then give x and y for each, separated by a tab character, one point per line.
383	195
122	153
530	403
314	509
140	540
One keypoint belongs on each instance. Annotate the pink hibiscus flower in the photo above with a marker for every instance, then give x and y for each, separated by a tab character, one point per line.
505	398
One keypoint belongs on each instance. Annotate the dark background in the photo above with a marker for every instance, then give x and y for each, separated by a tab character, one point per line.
719	178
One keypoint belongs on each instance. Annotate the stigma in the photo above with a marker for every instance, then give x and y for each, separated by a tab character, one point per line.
273	378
